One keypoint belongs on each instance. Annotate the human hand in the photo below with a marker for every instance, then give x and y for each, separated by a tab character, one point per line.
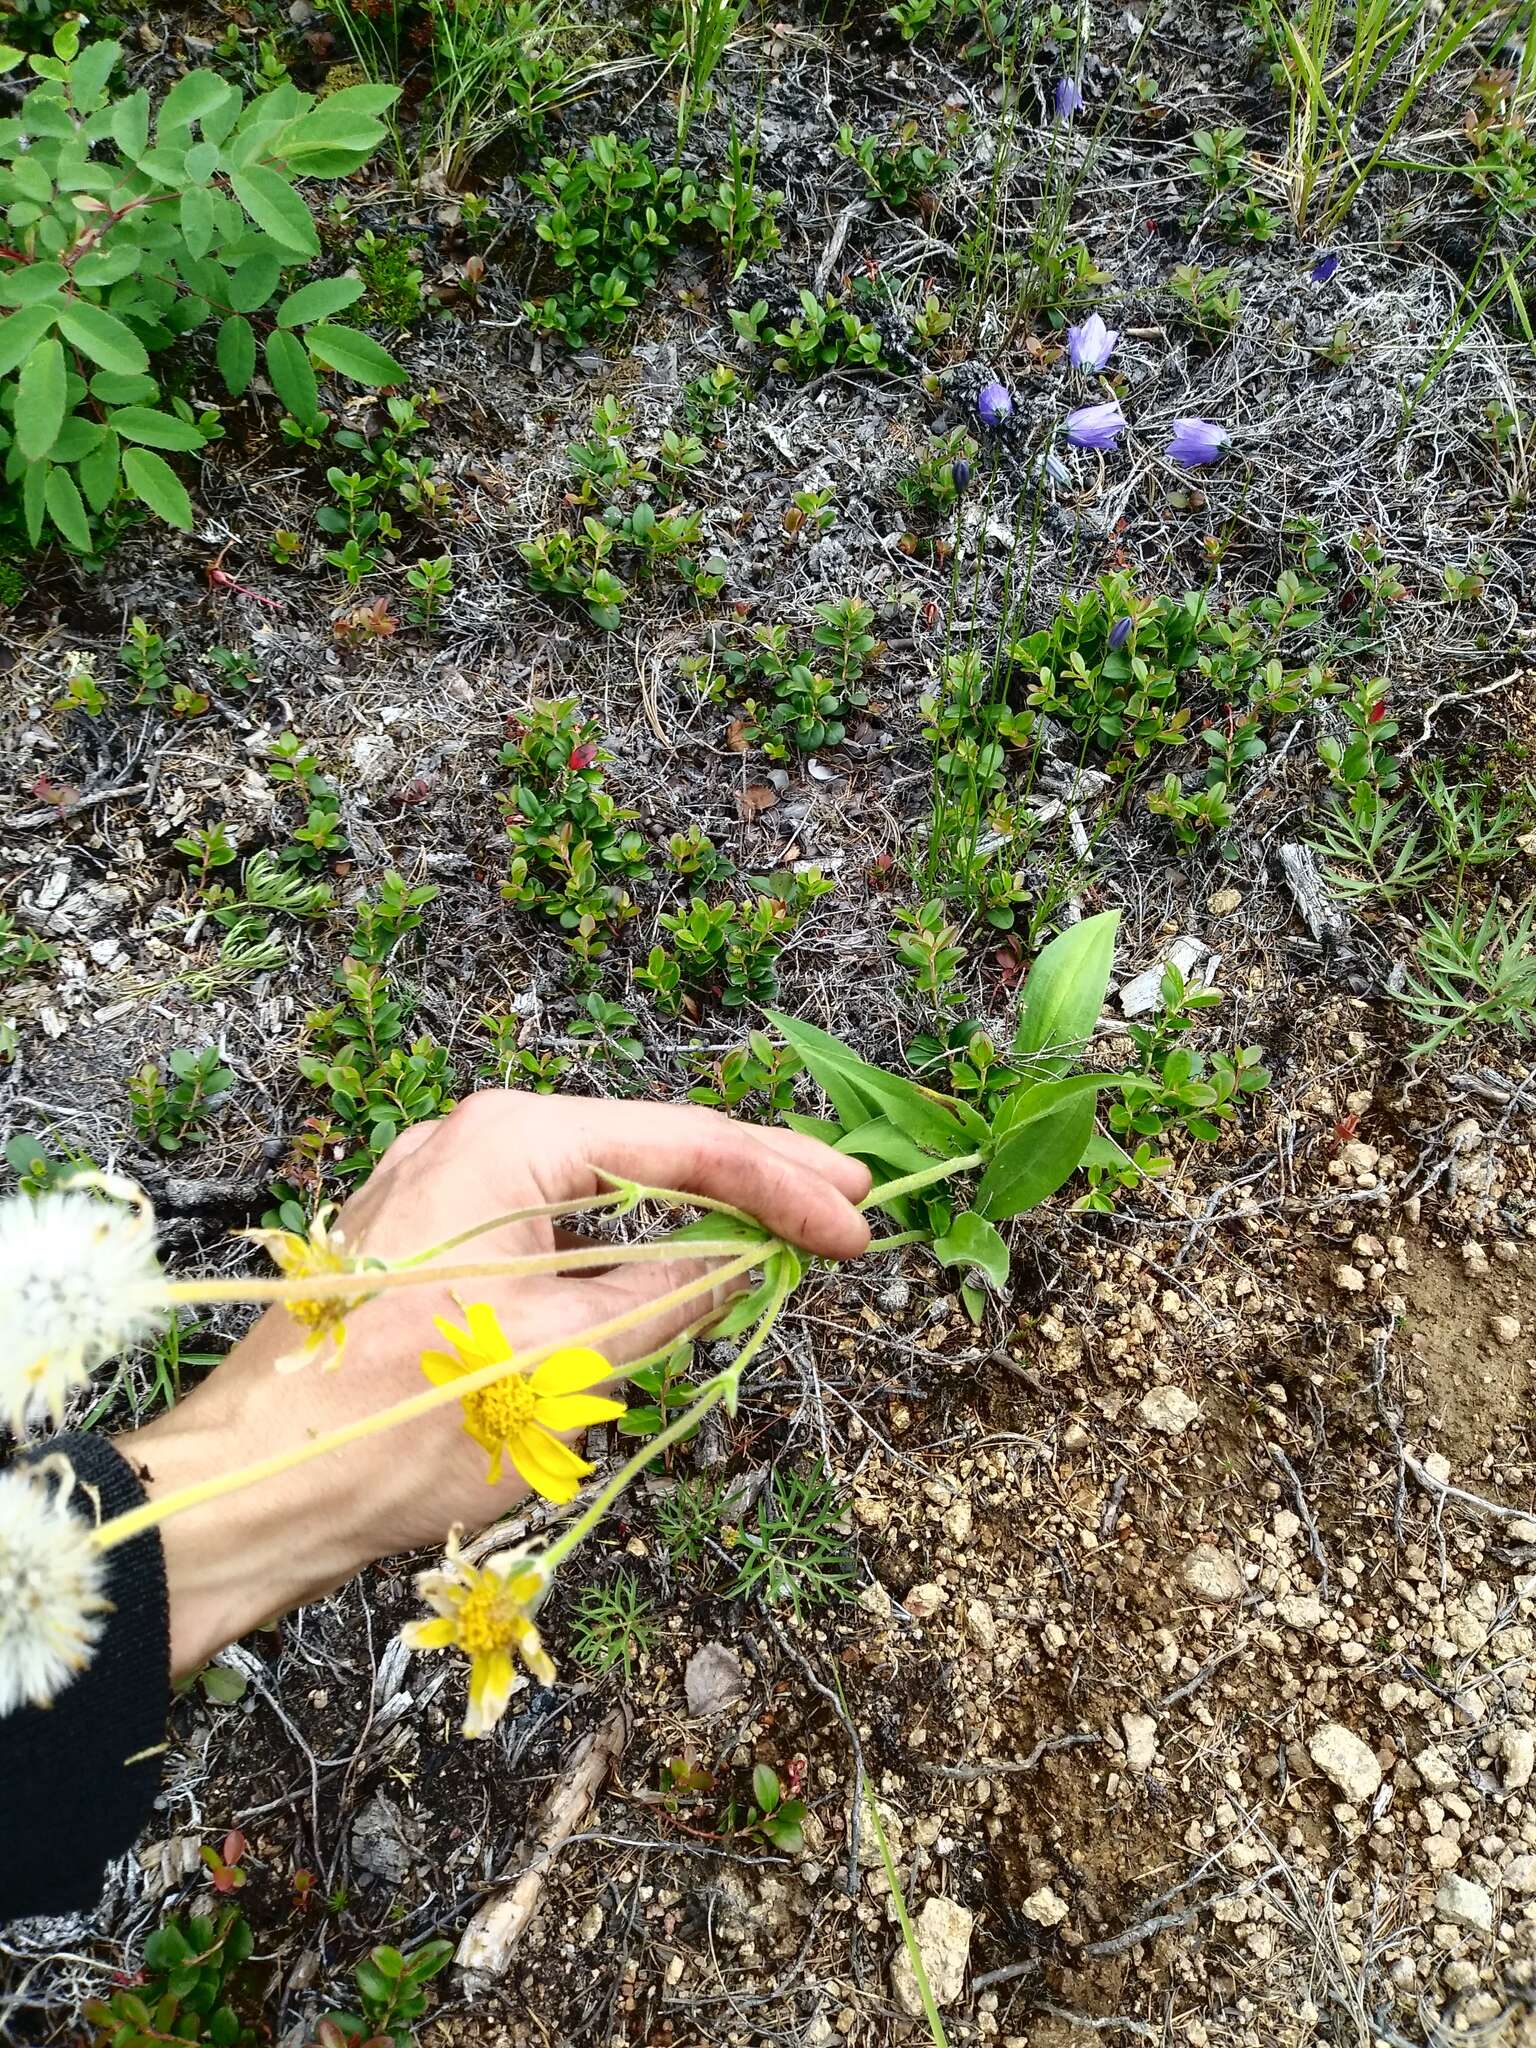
235	1562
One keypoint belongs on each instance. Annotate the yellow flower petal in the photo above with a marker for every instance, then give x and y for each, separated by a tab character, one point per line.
532	1456
576	1411
485	1331
570	1371
436	1634
440	1368
491	1679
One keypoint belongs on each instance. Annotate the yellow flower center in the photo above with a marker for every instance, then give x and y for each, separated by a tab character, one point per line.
501	1411
490	1618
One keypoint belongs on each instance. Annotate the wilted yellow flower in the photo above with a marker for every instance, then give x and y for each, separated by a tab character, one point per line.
518	1413
487	1612
301	1254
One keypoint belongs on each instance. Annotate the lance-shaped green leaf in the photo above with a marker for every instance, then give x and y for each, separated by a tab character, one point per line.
1064	994
858	1091
354	355
276	208
1049	1126
152	480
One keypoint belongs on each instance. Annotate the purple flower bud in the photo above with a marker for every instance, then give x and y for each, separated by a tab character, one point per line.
960	471
1196	442
1096	426
1091	345
1326	268
1120	632
1069	98
1056	470
994	404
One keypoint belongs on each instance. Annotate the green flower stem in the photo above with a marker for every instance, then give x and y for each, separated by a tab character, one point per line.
362	1285
122	1528
942	1169
891	1244
721	1388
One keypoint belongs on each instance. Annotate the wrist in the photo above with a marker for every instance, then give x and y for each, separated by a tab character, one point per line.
232	1564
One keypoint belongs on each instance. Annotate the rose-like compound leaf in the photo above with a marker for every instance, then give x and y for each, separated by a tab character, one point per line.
153	481
354	355
40	393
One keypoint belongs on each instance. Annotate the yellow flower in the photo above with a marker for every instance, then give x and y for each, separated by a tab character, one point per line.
485	1611
299	1255
517	1413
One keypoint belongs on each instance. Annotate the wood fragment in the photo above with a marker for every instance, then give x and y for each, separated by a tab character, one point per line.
1322	916
490	1941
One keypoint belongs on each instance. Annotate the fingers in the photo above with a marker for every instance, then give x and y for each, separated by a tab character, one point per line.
851	1177
798	1188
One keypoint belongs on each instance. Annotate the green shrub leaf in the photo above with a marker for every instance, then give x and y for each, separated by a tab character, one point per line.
156	429
319	300
293	376
103	337
354	355
276	208
153	481
98	473
40	393
20	333
235	353
66	510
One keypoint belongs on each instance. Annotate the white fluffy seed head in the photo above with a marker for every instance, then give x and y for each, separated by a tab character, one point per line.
79	1282
51	1580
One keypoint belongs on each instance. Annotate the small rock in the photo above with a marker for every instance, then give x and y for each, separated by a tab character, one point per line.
943	1934
1140	1742
1045	1908
1459	1974
1342	1757
1436	1770
713	1680
1518	1748
1212	1575
1519	1874
590	1926
1358	1156
1349	1279
1300	1610
1224	902
1168	1409
980	1624
1504	1329
1464	1904
924	1602
383	1842
958	1521
875	1601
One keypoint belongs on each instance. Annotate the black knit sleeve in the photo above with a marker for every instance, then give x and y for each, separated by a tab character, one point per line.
78	1779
